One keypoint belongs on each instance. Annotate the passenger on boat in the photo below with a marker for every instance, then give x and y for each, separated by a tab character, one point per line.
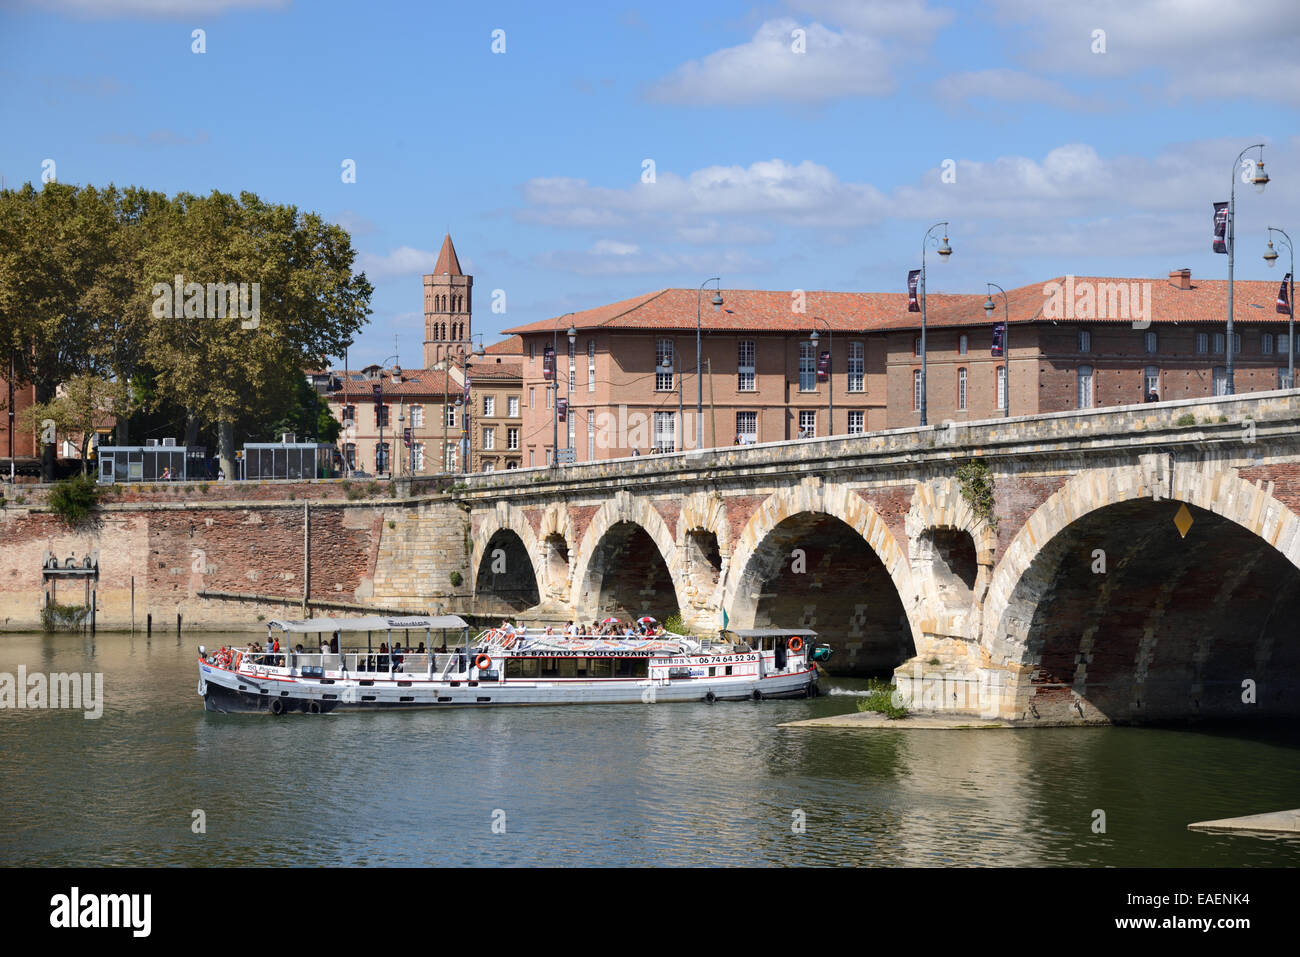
571	630
420	650
549	630
397	656
508	628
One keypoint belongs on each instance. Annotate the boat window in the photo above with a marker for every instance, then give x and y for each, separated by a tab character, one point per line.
521	668
631	667
600	668
550	667
568	667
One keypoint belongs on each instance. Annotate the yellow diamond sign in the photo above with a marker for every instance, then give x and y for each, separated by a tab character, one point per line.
1183	520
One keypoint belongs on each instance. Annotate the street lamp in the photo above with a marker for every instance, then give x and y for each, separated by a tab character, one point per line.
989	306
830	369
466	419
555	385
456	350
944	252
1259	180
1270	257
397	371
699	362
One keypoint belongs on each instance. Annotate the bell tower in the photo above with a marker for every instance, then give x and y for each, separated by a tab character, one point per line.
448	305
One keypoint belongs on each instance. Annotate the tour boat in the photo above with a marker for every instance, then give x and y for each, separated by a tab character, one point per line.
498	667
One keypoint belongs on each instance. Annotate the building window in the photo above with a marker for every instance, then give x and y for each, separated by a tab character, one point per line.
1085	387
350	455
916	389
489	467
451	458
1151	381
572	373
1218	343
1150	341
1219	381
532	397
962	344
489	439
512	464
531	457
532	350
489	406
550	394
663	360
807	423
571	417
747	427
1236	343
512	440
807	367
349	416
381	416
664	434
1283	343
591	435
961	390
857	422
1266	343
591	365
451	416
745	365
417	457
1202	344
1085	340
1002	388
417	416
1283	378
857	367
381	457
916	346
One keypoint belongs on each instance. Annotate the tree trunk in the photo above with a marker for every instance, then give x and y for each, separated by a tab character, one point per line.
226	449
191	429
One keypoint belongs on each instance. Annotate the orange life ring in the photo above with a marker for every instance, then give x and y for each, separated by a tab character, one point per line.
483	662
796	644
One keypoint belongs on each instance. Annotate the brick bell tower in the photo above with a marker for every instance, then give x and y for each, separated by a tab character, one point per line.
448	305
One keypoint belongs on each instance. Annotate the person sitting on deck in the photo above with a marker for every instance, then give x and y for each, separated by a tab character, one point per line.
550	630
571	630
397	656
507	627
420	650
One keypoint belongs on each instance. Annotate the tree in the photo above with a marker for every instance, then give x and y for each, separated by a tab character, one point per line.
81	405
297	303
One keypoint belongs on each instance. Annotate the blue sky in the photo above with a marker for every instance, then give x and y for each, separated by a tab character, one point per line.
773	168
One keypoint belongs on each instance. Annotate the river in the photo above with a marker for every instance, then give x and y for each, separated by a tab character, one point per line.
665	784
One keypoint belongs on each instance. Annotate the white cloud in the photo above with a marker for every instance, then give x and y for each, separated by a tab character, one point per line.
1011	86
804	194
402	261
355	223
911	20
766	68
607	257
1203	48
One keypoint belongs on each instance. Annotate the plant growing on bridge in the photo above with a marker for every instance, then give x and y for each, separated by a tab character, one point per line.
75	499
880	699
977	489
456	579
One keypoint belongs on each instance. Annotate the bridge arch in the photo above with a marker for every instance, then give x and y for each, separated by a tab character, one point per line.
627	562
1102	609
513	576
952	551
704	544
850	580
556	543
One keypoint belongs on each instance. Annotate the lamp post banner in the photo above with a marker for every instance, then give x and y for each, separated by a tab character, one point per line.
999	337
1220	227
912	277
823	367
548	363
466	395
1283	300
561	407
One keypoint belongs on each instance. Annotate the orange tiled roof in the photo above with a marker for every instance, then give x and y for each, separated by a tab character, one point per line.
511	346
754	310
495	370
415	382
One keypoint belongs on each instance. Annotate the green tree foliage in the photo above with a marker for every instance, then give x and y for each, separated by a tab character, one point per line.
82	404
82	274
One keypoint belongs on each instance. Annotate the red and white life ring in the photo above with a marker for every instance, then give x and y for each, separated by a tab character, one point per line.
483	662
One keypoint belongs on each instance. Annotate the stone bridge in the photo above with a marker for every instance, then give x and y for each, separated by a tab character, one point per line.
1072	595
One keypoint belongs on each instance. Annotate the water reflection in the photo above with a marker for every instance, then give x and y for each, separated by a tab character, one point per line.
671	784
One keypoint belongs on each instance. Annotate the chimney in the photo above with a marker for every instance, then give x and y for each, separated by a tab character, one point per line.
1181	278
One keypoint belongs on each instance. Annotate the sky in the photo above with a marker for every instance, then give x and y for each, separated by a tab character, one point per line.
586	154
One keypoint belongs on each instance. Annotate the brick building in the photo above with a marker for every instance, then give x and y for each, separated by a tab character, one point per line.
630	382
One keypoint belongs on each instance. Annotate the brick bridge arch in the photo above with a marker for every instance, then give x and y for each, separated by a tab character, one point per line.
1166	630
811	496
504	516
633	510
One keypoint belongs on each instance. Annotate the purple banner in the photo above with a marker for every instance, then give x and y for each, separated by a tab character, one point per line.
913	276
548	363
999	337
1220	227
823	367
561	407
1283	296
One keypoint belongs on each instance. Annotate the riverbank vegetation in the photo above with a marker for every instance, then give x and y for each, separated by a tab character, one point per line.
880	698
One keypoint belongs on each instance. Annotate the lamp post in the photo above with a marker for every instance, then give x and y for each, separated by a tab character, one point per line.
1259	180
555	385
989	306
944	252
699	361
379	414
830	369
456	351
1270	257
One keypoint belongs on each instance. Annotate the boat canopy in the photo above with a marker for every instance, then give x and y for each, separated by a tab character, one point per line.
370	623
774	632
